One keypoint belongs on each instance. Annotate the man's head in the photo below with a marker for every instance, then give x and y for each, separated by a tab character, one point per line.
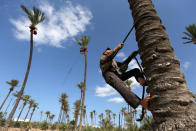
107	51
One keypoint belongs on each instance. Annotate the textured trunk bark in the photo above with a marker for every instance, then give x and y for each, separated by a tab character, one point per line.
84	91
23	85
20	112
5	100
172	104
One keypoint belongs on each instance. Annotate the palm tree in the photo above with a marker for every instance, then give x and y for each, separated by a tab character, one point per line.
84	114
91	115
83	41
94	114
5	112
13	84
47	115
35	105
171	103
191	29
25	98
114	117
128	83
51	117
64	106
36	17
41	113
31	102
123	112
101	117
76	112
108	113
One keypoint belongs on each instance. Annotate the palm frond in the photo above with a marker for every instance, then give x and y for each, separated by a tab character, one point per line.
83	41
191	29
188	42
35	16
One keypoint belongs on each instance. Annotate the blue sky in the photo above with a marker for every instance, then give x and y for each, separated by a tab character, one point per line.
57	65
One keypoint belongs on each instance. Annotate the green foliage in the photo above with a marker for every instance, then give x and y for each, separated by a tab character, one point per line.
12	83
83	41
191	29
35	16
44	126
146	124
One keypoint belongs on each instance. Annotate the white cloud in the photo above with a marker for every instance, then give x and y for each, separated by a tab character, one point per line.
66	22
107	90
120	55
116	100
133	64
134	83
186	65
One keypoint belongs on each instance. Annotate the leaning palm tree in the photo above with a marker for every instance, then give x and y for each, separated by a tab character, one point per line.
13	84
76	112
35	105
31	102
25	98
191	34
5	112
108	113
114	117
83	42
91	115
36	17
171	103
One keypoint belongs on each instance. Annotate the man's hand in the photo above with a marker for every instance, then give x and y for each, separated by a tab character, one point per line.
144	103
120	45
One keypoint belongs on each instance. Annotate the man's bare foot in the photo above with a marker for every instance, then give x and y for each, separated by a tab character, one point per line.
144	103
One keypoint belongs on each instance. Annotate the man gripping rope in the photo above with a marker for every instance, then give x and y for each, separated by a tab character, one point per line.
115	73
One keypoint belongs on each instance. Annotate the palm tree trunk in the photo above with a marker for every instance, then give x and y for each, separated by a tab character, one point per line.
119	120
20	112
23	85
5	112
5	100
27	113
32	114
172	104
83	98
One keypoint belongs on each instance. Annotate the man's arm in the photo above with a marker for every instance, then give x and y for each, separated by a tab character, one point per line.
112	54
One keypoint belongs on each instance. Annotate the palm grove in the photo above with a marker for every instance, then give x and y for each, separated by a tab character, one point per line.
172	104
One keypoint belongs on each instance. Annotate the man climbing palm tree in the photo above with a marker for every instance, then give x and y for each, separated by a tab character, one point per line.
115	73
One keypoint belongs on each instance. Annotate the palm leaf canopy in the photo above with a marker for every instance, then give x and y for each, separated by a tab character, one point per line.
12	83
192	30
35	105
25	98
83	41
35	15
80	85
31	102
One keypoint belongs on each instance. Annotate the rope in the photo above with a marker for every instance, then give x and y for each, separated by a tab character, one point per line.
142	115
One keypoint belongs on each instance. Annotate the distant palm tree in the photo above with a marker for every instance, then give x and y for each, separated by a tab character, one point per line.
83	41
5	112
108	114
91	115
35	105
13	84
123	112
114	117
191	33
84	114
128	83
25	98
36	17
47	115
41	113
51	117
101	117
94	114
64	107
31	102
76	112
